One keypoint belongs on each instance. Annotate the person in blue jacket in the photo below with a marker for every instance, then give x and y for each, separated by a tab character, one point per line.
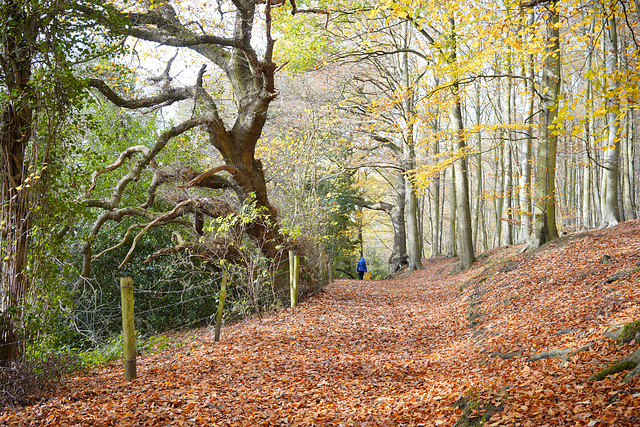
361	268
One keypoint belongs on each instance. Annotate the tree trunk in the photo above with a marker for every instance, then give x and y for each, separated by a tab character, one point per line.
632	162
588	132
611	209
411	200
627	177
453	203
398	258
543	226
508	167
526	152
411	214
479	178
499	195
507	191
17	116
435	204
467	255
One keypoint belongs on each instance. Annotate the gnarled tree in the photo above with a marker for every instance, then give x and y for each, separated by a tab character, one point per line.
251	77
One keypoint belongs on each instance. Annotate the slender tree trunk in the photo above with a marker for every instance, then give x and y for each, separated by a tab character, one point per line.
632	162
507	165
435	204
588	140
611	211
485	232
596	202
499	188
411	214
508	234
453	247
627	178
543	227
479	178
443	191
627	211
526	152
399	228
411	200
467	255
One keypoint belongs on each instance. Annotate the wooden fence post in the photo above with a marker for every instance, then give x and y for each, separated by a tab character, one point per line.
128	328
223	295
294	266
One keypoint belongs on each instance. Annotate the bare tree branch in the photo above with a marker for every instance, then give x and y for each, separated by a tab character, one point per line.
199	178
165	98
136	171
175	212
123	156
375	165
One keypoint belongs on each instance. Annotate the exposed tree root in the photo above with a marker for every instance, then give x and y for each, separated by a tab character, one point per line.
629	332
506	356
476	412
620	366
632	362
551	353
573	353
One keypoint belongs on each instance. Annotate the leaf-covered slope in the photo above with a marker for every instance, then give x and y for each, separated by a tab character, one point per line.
398	352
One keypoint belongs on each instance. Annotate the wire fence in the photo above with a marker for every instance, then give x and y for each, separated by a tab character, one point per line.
76	329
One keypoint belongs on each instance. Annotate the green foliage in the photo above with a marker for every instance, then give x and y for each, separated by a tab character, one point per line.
376	265
252	276
302	41
629	332
113	349
169	292
338	194
306	41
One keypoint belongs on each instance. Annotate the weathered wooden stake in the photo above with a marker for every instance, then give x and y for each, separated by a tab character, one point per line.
128	329
294	264
223	295
296	281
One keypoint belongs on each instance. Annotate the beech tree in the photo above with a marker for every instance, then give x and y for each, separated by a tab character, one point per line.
227	44
544	199
611	208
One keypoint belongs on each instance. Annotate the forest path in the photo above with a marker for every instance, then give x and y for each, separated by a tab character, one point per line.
360	353
398	352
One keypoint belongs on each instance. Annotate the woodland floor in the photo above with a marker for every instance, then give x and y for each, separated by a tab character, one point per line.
397	352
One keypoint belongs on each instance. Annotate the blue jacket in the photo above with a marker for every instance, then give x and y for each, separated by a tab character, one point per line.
362	265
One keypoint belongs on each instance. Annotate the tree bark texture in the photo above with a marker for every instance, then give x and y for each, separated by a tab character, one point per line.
543	225
479	180
526	156
412	212
435	205
611	208
398	258
588	132
16	59
507	164
467	255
